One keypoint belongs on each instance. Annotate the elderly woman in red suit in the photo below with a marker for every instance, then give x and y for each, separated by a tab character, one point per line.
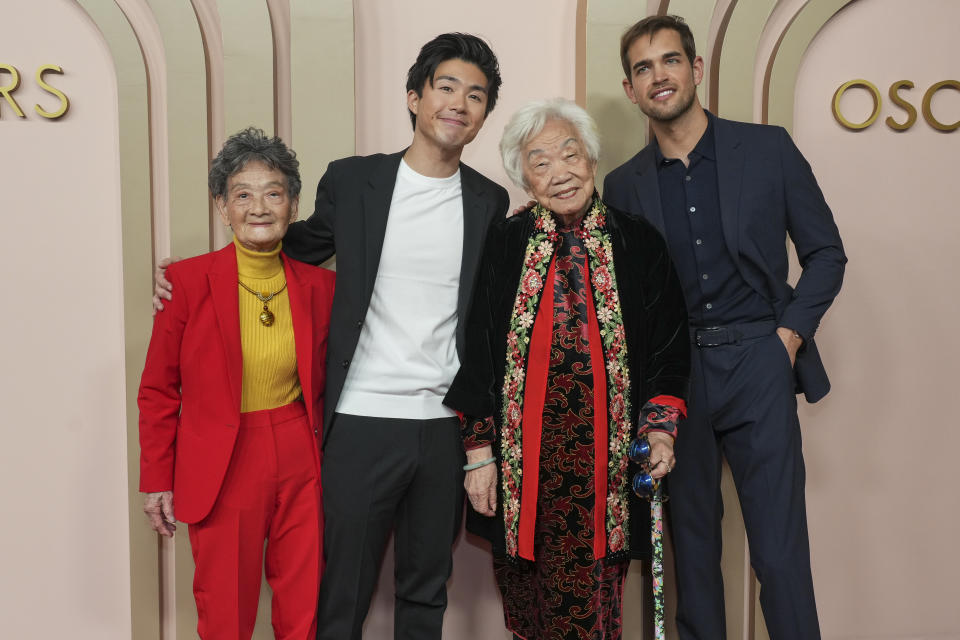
231	398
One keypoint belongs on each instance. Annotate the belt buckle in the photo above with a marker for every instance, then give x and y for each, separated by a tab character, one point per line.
717	336
702	333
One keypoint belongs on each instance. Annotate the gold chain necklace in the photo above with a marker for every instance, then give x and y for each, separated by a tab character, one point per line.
266	316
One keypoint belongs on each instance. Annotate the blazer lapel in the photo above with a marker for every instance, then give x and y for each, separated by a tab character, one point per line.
475	220
377	196
226	303
301	302
730	158
647	188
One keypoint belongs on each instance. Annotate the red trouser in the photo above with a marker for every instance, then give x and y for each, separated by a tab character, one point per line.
271	491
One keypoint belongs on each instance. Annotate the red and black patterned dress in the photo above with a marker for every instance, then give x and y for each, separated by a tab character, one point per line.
565	593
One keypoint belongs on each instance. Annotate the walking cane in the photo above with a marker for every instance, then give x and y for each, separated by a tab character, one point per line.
649	489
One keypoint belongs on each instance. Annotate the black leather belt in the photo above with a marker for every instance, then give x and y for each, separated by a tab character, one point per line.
730	334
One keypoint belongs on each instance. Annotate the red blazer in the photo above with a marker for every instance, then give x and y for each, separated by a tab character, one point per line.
190	388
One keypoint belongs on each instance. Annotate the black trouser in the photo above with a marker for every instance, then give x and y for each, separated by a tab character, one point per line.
742	404
381	475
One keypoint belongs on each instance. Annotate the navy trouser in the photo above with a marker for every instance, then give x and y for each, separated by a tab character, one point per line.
742	404
381	475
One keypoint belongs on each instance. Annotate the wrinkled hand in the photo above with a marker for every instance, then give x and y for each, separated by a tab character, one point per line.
522	209
159	509
662	460
481	484
161	286
791	342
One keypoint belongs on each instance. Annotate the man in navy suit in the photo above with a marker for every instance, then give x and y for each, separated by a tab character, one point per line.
726	195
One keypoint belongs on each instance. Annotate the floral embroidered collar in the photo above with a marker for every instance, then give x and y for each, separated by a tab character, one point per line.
537	259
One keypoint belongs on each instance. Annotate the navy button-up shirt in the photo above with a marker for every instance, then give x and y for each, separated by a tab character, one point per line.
715	291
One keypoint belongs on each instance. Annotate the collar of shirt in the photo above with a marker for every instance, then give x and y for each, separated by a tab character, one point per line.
705	147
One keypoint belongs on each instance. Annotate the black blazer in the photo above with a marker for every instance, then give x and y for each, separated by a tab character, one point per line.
349	219
767	192
655	324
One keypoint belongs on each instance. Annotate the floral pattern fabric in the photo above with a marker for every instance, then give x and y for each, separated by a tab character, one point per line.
541	245
476	432
566	592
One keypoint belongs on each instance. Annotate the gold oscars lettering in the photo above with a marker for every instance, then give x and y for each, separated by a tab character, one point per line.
9	85
895	93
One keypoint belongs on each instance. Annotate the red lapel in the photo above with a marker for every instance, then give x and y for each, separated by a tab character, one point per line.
301	305
226	304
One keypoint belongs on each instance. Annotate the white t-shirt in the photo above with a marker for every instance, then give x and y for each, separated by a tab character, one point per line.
406	356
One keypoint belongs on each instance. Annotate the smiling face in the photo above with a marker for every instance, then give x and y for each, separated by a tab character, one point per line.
557	171
663	82
451	109
257	206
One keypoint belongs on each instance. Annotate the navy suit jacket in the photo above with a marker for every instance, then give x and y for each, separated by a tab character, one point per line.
350	219
767	192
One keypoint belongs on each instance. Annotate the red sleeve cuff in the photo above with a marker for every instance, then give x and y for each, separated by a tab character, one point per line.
476	432
662	414
671	401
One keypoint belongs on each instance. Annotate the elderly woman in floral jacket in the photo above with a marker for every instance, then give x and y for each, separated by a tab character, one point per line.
577	343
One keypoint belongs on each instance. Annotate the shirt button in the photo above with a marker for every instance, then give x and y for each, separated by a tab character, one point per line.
688	178
699	241
693	209
704	276
708	306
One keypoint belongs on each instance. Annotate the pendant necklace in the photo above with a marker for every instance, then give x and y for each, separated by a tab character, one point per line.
266	316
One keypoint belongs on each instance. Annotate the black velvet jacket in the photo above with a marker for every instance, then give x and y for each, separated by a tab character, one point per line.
655	323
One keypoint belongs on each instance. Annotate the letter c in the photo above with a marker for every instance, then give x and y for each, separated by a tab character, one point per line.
876	104
928	96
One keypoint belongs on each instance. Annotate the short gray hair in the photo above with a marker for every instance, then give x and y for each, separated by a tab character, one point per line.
530	119
253	145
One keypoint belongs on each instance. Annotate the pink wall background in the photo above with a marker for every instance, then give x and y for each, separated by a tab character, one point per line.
63	462
881	449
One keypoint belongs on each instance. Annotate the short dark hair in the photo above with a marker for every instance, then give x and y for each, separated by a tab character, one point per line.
253	145
649	26
455	46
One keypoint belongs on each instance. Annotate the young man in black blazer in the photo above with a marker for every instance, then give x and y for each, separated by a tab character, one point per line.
726	195
407	230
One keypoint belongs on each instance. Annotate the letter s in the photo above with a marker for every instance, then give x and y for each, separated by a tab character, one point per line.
903	104
64	101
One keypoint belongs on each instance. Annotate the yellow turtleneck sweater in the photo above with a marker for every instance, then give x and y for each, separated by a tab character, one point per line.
269	353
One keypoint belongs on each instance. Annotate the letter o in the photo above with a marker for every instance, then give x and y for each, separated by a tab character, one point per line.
869	86
928	115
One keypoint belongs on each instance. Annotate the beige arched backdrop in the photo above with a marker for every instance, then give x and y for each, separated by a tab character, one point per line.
63	449
882	491
156	85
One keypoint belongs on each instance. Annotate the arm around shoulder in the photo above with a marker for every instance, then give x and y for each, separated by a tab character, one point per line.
313	240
